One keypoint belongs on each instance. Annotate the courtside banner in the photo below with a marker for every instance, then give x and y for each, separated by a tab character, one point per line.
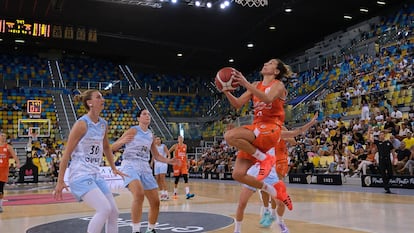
396	181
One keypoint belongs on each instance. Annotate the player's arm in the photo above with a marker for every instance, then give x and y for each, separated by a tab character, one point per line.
300	130
107	149
14	156
240	101
172	148
125	138
75	135
167	152
161	158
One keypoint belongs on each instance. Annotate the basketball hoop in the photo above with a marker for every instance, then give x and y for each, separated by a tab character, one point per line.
252	3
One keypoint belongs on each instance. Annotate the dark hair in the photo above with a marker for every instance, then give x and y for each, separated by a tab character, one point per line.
140	111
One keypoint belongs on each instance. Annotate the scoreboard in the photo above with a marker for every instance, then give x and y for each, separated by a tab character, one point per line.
21	27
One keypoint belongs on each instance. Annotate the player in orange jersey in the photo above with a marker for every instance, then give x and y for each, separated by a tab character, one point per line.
180	152
6	152
256	141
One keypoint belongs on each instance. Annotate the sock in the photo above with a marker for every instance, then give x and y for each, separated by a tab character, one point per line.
279	218
187	190
237	226
150	227
269	189
273	212
136	227
175	191
259	155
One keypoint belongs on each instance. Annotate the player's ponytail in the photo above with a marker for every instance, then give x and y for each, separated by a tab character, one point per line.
285	70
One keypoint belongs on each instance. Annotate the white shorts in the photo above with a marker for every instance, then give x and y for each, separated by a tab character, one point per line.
160	168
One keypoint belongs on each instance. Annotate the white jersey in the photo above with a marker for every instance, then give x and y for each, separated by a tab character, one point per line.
87	156
137	152
162	152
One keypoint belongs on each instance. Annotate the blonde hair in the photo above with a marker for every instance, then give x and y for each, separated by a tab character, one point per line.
84	97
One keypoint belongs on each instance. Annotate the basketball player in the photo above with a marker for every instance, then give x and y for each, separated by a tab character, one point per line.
87	141
139	142
180	152
274	176
160	169
255	141
6	152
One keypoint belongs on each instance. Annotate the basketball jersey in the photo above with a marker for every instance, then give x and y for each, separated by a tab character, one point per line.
4	156
87	156
161	151
139	148
268	113
181	153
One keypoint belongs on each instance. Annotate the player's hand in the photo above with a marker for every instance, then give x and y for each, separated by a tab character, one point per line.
119	173
57	193
239	78
175	161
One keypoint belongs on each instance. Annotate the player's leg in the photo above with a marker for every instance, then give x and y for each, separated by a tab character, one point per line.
188	195
244	197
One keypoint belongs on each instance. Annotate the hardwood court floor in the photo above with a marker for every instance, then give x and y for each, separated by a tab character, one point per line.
317	209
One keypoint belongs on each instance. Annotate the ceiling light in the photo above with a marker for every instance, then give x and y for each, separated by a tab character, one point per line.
288	9
174	1
347	17
208	4
197	3
381	2
222	6
179	54
363	9
231	60
1	39
272	28
19	41
226	3
250	45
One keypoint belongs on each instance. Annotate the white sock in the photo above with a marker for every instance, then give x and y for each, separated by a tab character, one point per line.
150	226
237	226
279	218
273	211
259	155
136	227
187	190
269	189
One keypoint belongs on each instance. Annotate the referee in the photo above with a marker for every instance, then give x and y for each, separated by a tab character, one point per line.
385	149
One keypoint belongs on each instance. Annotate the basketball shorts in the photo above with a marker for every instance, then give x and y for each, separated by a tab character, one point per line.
146	178
85	184
271	179
160	168
180	170
267	135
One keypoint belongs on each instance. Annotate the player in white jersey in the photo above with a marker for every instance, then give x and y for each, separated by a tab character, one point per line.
160	169
86	144
139	142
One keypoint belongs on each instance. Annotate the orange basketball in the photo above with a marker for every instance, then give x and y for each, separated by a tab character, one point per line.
224	79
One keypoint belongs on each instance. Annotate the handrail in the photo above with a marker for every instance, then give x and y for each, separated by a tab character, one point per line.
310	94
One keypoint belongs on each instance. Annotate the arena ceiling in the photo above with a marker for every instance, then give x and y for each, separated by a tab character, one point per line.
152	36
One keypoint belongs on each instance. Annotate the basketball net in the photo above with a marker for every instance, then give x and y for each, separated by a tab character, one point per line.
252	3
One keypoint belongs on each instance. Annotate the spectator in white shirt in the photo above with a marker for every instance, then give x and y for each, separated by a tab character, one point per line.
396	115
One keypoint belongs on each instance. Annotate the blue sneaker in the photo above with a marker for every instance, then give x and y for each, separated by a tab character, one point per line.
189	195
266	220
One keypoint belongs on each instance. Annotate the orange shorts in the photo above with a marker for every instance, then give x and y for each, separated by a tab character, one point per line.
180	170
267	135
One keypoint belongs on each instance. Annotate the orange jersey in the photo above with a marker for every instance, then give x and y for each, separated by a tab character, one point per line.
268	113
4	163
180	152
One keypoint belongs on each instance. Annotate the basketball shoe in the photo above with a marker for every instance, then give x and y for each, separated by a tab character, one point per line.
265	166
282	195
189	195
266	220
283	227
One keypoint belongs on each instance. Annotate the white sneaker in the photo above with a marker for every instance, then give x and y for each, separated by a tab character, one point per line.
283	227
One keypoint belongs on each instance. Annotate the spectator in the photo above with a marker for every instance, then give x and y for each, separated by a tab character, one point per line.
396	115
